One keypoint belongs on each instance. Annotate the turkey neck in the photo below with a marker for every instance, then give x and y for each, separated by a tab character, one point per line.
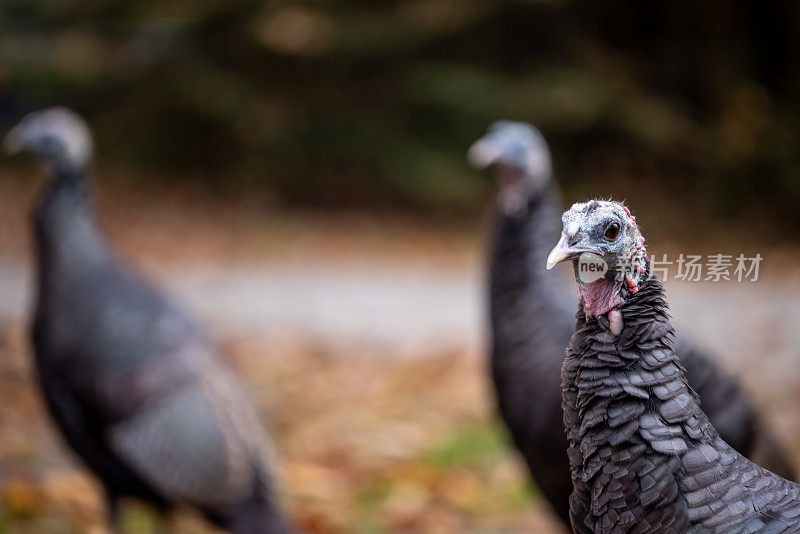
646	343
67	237
613	386
528	303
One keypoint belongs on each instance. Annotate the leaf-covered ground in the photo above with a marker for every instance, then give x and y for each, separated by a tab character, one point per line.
376	392
368	445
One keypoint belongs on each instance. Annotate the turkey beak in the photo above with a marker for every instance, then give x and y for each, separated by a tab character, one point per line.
14	141
563	251
557	255
483	153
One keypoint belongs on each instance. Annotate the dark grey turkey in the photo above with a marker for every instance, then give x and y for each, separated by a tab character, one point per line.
644	456
532	320
134	385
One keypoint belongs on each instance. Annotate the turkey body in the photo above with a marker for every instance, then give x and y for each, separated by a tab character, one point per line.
644	456
532	321
134	385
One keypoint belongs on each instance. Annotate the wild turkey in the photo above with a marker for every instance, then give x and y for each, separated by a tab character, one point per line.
133	384
532	320
644	456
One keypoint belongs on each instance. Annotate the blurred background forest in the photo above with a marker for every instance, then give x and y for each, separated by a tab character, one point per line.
295	172
342	104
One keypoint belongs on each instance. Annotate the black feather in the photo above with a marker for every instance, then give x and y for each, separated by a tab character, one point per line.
532	319
670	471
133	383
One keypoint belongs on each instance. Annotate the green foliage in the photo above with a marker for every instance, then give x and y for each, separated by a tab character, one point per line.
472	446
347	103
472	472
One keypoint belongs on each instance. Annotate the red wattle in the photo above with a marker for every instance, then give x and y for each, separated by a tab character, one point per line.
600	296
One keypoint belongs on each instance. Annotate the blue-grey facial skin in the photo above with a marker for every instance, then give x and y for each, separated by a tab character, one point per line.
517	145
589	227
520	158
57	135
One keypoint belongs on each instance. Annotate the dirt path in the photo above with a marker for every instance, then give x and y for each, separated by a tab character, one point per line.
424	309
363	341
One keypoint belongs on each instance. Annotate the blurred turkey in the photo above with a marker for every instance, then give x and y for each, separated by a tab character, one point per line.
133	383
533	318
644	455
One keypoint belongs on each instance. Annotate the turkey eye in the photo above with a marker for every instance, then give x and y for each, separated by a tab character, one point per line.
612	231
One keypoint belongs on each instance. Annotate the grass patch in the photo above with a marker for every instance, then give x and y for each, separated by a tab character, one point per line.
472	446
